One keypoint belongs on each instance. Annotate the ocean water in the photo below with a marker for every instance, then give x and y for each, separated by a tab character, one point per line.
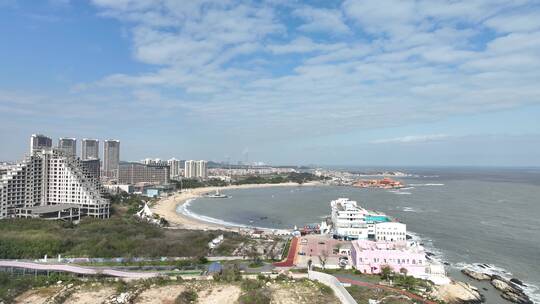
464	216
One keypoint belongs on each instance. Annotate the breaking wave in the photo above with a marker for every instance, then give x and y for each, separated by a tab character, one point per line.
409	209
184	209
532	291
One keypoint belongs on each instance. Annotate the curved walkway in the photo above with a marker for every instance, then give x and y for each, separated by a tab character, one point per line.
289	261
79	269
371	285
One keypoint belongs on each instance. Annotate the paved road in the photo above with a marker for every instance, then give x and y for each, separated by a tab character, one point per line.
79	269
289	262
371	285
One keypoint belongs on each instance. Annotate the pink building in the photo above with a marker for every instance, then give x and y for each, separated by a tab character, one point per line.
370	256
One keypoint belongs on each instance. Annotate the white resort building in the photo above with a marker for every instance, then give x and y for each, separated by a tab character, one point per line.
352	222
51	184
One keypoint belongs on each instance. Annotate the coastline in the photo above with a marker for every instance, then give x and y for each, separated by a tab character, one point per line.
167	207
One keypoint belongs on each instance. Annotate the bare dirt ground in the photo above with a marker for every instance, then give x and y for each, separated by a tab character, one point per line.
219	294
160	295
90	294
209	292
37	296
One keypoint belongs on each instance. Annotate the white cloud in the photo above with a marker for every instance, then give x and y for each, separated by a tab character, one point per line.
239	63
411	139
322	20
516	22
303	45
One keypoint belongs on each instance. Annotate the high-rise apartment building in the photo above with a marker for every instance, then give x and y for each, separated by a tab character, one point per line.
51	183
89	149
190	170
68	145
111	158
196	169
39	142
202	169
135	173
174	165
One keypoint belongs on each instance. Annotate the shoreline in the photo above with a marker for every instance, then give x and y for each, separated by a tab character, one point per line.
167	207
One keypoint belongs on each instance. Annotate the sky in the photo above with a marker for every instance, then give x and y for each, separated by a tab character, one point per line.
375	83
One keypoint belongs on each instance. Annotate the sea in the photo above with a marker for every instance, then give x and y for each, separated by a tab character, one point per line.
482	218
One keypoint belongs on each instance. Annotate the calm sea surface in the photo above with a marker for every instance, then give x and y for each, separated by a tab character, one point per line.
465	216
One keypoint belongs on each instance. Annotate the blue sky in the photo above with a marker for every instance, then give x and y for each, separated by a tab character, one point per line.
420	82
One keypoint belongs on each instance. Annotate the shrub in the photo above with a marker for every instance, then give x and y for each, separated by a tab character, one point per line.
255	297
281	277
203	260
262	277
326	289
186	297
248	285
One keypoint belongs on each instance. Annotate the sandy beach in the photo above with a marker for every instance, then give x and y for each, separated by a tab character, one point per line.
166	207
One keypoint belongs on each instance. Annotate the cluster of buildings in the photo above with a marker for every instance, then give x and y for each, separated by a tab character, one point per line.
260	170
196	169
52	183
89	152
385	183
178	169
374	241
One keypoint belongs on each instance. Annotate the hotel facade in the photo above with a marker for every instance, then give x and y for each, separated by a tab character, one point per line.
370	257
352	222
47	180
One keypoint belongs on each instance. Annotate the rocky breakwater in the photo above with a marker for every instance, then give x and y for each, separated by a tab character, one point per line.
458	293
512	290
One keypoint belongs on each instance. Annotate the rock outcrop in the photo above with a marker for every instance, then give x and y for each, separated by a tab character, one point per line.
476	275
458	293
511	291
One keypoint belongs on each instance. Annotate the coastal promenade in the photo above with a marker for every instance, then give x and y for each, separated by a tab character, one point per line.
78	269
289	261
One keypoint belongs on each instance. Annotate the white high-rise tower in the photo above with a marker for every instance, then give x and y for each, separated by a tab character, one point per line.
89	149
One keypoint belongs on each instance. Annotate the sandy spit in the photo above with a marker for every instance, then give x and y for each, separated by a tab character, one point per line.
166	207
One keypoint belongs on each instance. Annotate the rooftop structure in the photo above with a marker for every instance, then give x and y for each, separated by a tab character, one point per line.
39	142
51	212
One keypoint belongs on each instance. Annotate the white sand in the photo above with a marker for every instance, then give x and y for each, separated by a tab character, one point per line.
166	207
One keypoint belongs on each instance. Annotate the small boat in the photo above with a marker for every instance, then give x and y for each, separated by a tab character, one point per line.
217	195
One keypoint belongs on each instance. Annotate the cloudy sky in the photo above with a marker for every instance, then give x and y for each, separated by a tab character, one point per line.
387	82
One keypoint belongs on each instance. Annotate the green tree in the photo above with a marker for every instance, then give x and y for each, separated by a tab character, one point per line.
386	272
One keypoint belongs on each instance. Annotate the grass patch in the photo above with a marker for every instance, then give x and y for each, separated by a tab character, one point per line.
363	294
114	237
12	286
